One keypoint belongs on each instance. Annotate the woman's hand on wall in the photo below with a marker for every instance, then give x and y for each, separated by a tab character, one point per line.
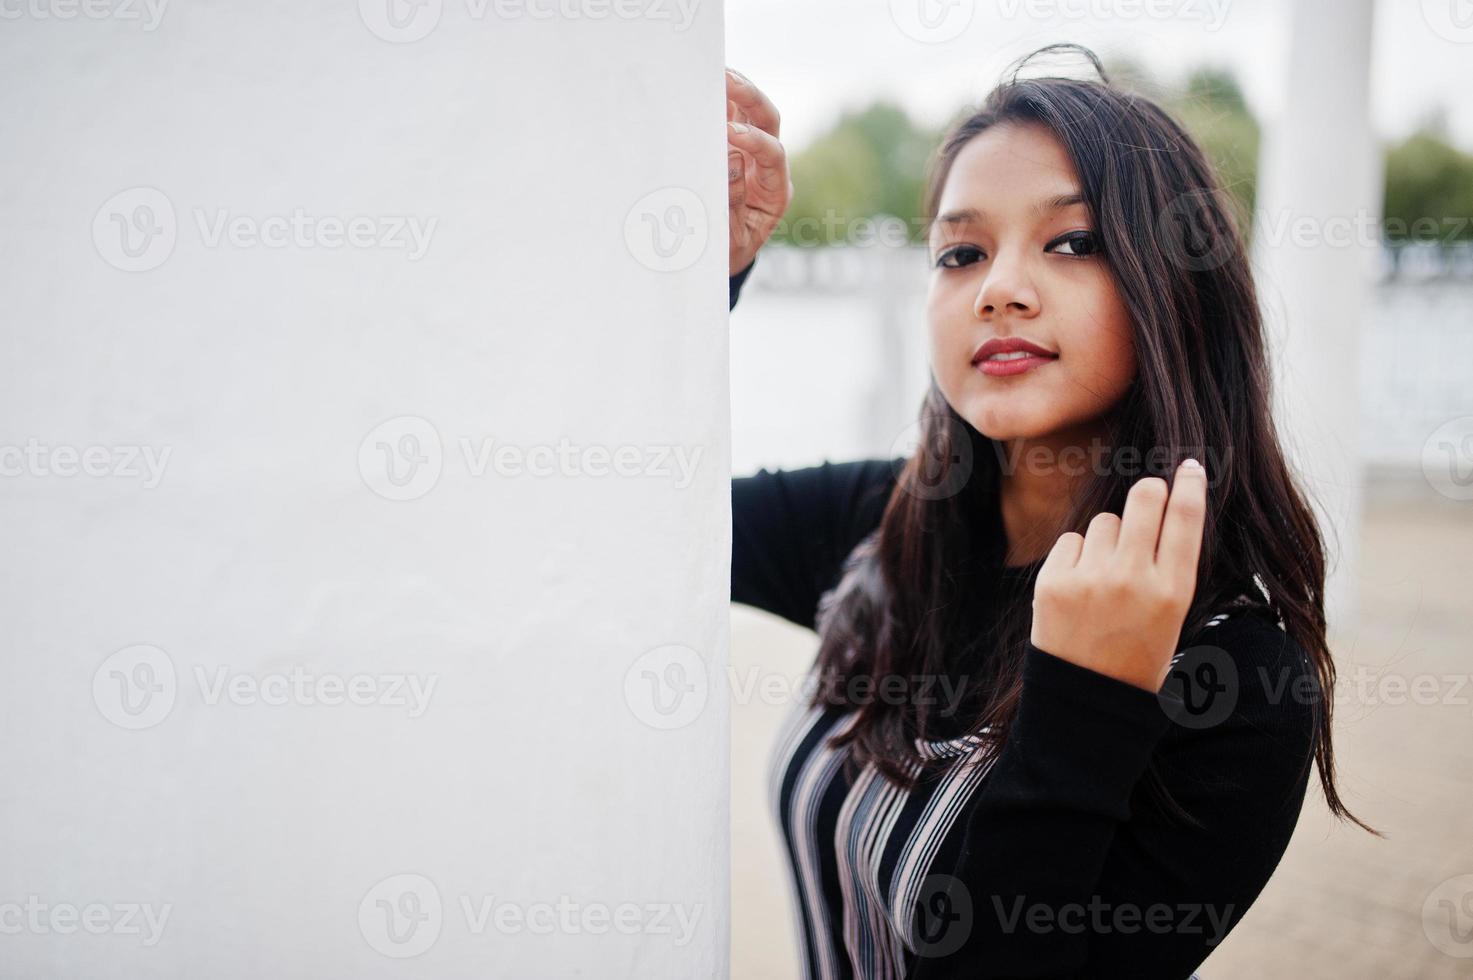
759	187
1112	599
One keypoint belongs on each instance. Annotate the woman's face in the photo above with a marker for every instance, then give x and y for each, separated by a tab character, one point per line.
1011	262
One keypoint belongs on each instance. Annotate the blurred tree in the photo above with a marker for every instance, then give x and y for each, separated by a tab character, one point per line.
1429	190
871	163
1212	108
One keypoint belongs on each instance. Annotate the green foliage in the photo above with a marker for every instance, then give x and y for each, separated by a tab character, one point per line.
1212	109
1429	190
871	163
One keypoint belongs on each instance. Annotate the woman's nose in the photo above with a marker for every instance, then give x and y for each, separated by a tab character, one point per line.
1005	287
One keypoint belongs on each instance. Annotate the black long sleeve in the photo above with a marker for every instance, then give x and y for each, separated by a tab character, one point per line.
734	283
1113	891
1061	869
792	530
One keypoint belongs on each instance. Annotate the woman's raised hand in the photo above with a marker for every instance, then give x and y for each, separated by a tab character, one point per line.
758	184
1115	598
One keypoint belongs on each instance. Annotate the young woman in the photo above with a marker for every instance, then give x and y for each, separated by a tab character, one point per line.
1070	682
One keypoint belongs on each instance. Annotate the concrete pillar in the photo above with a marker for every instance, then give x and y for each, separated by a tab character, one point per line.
1315	252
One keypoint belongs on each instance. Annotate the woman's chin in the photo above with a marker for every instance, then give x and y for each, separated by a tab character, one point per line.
1003	419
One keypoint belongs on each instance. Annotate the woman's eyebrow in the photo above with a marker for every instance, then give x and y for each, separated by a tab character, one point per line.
964	216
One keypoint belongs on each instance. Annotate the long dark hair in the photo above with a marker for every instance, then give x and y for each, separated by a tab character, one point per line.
907	601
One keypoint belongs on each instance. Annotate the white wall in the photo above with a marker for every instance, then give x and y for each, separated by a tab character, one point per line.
311	520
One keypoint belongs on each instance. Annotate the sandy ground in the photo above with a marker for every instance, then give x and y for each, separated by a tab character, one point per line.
1343	903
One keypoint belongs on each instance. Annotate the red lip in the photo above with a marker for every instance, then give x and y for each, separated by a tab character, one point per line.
1006	345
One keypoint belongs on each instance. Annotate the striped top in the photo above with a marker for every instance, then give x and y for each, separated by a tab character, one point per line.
865	848
1043	862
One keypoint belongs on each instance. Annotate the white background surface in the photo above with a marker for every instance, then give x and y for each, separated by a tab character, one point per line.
531	775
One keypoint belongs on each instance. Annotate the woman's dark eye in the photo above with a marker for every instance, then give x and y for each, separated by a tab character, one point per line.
1081	243
960	249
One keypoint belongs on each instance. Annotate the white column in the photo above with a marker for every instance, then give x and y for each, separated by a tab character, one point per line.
364	426
1314	249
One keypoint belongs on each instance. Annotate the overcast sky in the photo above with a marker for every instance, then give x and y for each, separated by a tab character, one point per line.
816	58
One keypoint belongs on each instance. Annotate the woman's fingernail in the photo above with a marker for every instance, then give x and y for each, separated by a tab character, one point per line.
738	127
1191	463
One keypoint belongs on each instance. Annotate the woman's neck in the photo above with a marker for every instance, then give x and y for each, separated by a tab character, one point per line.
1039	481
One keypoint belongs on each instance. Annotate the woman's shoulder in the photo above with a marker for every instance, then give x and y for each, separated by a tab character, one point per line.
856	486
1244	670
793	528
